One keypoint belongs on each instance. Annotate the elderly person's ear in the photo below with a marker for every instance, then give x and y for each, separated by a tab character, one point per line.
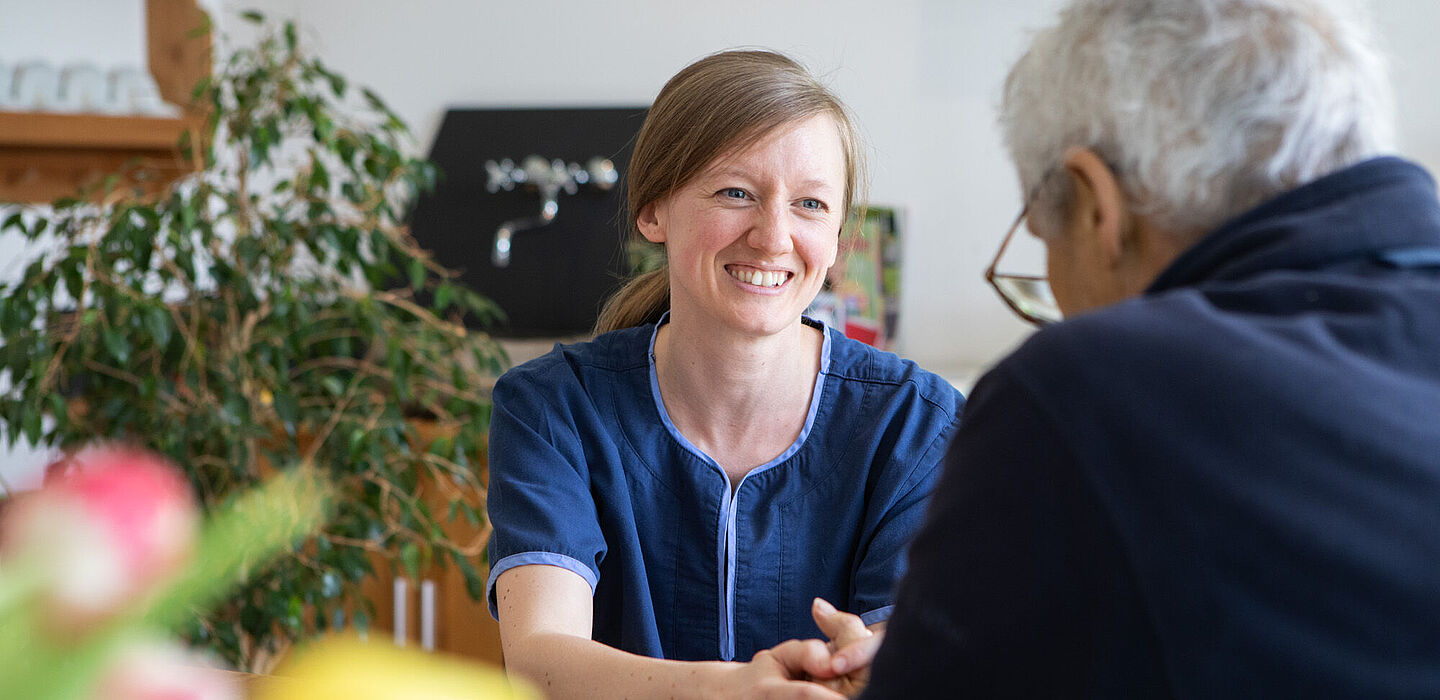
1098	208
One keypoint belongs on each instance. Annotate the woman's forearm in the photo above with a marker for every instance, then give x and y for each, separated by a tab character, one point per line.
545	631
566	666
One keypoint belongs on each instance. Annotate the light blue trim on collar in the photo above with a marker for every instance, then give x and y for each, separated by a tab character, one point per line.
727	555
660	403
526	558
809	416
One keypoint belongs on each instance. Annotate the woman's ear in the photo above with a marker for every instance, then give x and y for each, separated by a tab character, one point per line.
650	221
1100	211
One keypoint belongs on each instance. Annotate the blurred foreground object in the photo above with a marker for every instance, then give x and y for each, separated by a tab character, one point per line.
158	670
345	668
102	566
110	526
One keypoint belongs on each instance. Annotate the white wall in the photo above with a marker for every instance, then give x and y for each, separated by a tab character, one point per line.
68	31
923	77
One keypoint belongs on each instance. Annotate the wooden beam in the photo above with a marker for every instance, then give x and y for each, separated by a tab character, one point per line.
180	52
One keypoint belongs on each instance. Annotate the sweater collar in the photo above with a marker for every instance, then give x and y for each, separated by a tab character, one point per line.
1373	208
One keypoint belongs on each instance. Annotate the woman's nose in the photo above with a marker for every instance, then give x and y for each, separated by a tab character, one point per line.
771	233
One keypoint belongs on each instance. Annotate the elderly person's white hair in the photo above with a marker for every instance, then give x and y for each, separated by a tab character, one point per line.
1204	108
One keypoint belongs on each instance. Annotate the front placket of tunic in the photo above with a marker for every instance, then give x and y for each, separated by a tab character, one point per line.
725	529
730	501
729	536
730	560
727	554
730	548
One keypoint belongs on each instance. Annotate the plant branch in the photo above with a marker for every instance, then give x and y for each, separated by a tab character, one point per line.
421	313
128	378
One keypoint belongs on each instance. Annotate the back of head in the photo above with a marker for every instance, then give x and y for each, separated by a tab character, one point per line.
712	107
1204	108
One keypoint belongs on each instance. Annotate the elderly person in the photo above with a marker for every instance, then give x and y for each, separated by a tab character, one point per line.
1219	476
672	499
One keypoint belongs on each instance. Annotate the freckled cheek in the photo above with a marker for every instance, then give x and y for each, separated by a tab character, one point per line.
721	234
819	253
701	243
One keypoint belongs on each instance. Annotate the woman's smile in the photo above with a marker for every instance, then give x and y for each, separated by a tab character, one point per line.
759	279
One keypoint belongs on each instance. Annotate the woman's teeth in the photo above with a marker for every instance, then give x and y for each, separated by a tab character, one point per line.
760	278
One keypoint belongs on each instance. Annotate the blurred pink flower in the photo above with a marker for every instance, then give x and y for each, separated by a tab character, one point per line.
105	530
164	671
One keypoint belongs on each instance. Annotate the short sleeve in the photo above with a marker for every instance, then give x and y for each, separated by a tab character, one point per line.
883	560
539	500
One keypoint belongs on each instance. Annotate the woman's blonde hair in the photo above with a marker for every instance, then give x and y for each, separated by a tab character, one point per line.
714	106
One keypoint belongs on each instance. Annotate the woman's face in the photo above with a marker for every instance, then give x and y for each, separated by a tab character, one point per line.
749	239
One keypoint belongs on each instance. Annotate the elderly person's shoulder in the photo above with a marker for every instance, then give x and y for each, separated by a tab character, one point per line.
1152	322
1137	346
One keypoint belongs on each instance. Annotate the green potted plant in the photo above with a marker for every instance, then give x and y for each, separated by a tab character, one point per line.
267	311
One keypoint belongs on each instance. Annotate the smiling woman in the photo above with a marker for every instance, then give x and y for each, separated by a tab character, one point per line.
685	487
750	239
707	109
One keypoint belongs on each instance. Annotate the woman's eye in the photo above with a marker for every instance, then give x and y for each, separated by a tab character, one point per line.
813	204
733	192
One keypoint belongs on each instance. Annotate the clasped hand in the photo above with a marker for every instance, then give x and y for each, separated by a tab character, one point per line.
813	668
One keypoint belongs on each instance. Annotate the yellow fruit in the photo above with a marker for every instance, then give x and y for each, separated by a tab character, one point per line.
344	668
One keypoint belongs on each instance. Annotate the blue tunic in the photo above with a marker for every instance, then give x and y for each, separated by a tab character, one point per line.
588	473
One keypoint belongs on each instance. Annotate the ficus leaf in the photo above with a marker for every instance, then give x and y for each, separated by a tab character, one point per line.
116	344
474	585
31	427
158	323
410	558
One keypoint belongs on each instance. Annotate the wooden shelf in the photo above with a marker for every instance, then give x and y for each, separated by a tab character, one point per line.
46	155
63	131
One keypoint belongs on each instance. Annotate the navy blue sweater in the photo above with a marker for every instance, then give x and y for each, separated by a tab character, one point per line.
1227	487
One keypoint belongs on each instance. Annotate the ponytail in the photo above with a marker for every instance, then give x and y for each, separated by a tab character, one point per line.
642	300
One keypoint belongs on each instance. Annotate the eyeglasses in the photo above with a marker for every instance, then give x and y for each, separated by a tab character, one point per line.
1028	296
